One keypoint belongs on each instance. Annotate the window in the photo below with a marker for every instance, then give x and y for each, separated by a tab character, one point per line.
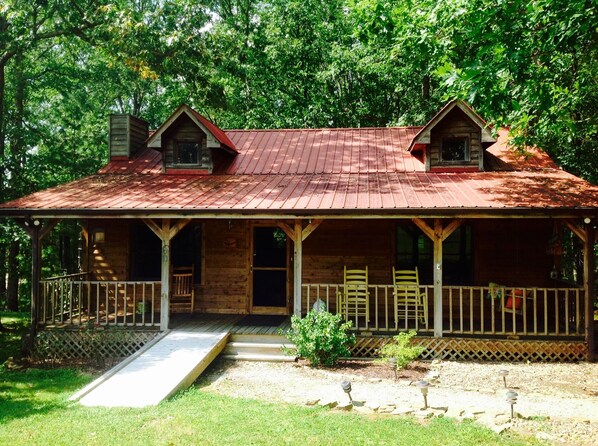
454	150
146	251
414	248
187	152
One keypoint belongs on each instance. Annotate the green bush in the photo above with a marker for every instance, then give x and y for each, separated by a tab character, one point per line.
321	337
400	347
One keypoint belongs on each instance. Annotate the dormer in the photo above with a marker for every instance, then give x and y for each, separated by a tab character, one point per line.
454	140
190	143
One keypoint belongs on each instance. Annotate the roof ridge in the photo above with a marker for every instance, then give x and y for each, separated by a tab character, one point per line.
325	128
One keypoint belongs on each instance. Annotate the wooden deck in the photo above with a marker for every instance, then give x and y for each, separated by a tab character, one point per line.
233	323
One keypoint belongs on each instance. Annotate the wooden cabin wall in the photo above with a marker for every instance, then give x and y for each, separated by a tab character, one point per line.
225	272
513	252
355	243
108	260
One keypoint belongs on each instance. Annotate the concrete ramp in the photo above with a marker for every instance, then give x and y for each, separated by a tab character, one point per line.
172	363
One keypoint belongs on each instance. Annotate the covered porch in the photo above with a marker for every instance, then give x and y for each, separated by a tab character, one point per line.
524	304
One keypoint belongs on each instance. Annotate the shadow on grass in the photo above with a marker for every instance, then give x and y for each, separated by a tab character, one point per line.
30	392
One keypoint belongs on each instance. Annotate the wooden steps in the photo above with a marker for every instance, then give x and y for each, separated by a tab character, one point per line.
258	348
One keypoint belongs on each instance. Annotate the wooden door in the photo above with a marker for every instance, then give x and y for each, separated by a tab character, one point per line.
270	271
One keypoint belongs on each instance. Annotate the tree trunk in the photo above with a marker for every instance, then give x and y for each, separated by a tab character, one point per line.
12	300
2	273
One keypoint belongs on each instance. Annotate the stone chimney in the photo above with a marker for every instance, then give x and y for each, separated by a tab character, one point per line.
127	136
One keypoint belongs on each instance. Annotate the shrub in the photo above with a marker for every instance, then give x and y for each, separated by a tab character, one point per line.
400	347
321	337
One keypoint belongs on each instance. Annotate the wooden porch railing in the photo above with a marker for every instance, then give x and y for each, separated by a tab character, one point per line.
467	310
98	303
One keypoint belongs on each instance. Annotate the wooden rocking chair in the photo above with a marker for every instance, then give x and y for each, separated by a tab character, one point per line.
410	302
354	299
182	296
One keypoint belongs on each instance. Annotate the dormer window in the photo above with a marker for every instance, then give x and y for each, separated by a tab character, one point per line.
187	153
454	150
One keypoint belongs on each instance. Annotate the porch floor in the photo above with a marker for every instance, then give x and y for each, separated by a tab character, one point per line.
235	324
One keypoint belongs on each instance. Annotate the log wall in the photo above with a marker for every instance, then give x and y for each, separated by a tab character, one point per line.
509	252
225	279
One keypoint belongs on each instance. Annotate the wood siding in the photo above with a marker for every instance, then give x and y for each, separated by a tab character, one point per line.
509	252
109	260
184	129
127	135
513	252
455	125
225	287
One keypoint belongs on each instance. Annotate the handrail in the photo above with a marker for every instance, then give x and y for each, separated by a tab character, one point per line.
68	276
468	310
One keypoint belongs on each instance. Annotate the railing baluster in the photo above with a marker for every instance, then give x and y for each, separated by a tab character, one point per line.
545	311
556	312
567	312
482	315
535	311
577	318
460	310
450	310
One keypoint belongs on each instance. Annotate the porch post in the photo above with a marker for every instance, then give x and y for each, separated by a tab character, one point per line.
36	254
165	277
589	289
165	233
36	232
298	267
438	278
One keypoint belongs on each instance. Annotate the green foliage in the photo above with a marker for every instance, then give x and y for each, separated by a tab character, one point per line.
14	327
321	337
402	349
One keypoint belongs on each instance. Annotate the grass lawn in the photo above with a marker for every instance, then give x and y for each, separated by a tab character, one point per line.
34	410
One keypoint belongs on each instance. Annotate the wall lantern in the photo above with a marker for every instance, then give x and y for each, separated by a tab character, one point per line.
98	236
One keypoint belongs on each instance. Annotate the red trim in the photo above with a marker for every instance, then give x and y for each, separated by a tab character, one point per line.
187	172
449	169
119	158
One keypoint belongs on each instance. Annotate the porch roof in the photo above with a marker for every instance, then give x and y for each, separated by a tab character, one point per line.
337	193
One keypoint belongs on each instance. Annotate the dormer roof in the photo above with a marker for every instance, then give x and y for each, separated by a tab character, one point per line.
216	137
424	135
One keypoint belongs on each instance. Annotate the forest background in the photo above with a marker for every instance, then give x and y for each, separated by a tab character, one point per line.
65	65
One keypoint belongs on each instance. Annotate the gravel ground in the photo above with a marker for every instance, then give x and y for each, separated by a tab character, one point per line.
556	402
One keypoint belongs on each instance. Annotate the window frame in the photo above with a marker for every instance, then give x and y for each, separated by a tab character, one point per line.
176	152
466	154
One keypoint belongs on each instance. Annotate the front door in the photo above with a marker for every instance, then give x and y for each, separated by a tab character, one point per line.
269	266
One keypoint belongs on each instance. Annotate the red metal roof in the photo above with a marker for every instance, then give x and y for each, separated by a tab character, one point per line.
325	171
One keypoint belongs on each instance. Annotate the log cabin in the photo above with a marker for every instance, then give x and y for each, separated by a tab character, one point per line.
266	222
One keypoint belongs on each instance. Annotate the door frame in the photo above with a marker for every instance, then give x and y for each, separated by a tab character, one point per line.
286	310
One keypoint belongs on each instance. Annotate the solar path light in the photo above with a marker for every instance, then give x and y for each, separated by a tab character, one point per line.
423	388
392	362
346	385
504	373
512	400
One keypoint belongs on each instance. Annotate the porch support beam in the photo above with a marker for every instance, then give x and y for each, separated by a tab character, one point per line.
298	234
587	235
37	231
165	233
437	278
298	267
589	288
438	234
